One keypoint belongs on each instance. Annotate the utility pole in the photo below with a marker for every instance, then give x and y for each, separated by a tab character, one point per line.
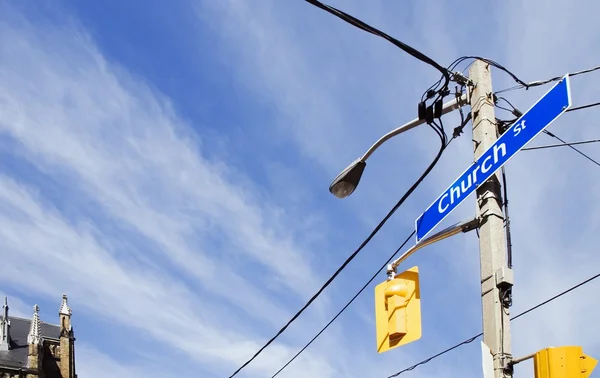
496	277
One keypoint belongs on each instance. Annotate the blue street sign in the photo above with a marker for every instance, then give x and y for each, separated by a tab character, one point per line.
548	108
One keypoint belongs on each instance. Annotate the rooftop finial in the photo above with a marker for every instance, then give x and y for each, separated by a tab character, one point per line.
5	309
5	327
35	329
64	306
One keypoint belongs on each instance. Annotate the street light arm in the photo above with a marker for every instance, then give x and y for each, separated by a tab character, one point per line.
464	226
446	108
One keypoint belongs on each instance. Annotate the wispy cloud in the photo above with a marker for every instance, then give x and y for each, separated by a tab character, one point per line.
125	166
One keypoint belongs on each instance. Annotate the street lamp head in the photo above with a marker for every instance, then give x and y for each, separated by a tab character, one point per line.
345	183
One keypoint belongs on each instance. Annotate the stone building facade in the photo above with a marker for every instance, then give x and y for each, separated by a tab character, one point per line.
31	348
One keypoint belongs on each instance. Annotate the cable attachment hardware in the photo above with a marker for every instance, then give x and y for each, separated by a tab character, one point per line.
431	112
391	272
504	362
461	79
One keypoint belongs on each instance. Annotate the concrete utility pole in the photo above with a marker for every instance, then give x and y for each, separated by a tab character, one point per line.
496	277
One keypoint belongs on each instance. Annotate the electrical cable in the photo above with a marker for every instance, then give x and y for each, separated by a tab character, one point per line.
561	145
557	78
583	107
434	88
572	147
503	108
518	113
346	306
370	29
406	48
463	123
507	222
471	339
497	65
443	146
458	61
543	82
505	195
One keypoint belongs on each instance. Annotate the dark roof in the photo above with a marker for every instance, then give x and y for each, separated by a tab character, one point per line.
19	329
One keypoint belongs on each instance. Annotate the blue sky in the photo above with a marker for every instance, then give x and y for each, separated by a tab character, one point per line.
167	166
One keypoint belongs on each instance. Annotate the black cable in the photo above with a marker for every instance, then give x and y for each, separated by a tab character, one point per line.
516	112
555	297
583	107
370	29
561	145
435	87
572	147
543	82
353	255
508	102
503	108
470	340
497	65
403	46
505	195
557	78
346	306
507	221
467	341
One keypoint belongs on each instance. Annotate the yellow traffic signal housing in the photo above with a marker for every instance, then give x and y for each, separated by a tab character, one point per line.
563	362
398	310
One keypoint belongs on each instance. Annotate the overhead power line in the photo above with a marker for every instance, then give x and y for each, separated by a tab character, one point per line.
543	82
370	29
561	145
493	64
572	147
583	107
557	78
473	338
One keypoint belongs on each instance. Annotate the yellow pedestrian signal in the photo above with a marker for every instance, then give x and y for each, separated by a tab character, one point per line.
398	310
563	362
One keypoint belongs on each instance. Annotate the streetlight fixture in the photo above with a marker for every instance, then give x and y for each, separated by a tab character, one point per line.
346	182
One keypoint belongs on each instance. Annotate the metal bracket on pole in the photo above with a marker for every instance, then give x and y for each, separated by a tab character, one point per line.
464	226
504	362
446	108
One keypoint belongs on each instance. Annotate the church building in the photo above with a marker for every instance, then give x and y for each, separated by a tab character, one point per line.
31	348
